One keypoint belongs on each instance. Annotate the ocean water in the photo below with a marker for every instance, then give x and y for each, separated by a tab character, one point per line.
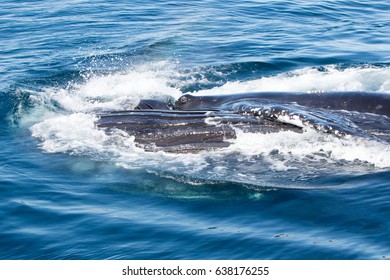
70	191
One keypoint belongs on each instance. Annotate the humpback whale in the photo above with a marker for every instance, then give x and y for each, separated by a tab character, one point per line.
196	123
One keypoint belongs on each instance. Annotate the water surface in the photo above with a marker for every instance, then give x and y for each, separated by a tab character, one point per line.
69	191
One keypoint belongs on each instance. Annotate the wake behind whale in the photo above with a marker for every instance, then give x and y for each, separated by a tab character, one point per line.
195	123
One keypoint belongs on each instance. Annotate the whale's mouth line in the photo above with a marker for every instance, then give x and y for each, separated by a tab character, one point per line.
186	131
164	125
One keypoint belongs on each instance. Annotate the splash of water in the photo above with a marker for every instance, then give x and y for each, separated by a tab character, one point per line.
256	159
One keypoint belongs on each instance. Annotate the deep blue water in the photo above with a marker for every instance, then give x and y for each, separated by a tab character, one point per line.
68	191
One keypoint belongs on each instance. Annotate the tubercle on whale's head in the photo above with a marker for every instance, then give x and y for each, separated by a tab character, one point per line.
184	102
192	103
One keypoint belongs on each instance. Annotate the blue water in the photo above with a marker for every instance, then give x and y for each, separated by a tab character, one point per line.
68	191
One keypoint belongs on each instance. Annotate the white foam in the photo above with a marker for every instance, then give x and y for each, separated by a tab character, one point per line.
73	134
115	91
311	145
76	134
141	82
328	78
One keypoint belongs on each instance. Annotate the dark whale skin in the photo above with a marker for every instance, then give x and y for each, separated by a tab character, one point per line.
364	102
198	123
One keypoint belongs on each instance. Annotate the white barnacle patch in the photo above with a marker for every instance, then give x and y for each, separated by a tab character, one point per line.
320	127
255	111
294	117
307	123
294	120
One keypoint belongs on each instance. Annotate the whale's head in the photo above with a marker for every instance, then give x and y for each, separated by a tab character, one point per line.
190	102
